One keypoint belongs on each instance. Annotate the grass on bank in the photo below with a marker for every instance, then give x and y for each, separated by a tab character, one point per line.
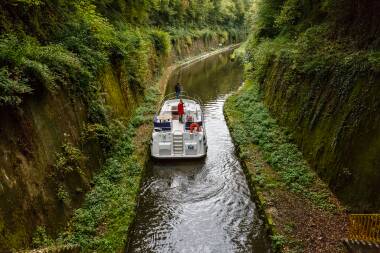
102	223
299	207
257	127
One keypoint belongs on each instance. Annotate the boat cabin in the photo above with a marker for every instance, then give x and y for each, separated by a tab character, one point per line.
172	138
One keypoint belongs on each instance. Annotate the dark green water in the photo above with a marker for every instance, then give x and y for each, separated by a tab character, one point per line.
202	205
209	79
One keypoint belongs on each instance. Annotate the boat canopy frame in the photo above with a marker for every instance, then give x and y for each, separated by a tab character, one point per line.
183	95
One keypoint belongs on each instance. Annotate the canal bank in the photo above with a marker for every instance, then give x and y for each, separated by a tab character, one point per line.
203	205
301	211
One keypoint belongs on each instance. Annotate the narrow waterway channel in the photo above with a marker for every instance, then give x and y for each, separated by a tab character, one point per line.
205	205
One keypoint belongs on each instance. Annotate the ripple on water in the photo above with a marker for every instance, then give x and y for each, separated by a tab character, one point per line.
199	206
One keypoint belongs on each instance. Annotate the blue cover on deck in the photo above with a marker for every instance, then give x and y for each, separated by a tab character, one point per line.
164	126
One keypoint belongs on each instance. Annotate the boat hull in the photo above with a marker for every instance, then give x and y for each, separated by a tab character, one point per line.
179	138
178	157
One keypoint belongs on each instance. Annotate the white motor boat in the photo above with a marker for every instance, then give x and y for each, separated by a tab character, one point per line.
172	139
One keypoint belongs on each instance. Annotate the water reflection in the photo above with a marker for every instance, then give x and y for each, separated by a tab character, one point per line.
208	79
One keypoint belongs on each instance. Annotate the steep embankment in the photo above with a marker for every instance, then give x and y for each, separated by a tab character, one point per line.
72	74
318	68
313	73
302	213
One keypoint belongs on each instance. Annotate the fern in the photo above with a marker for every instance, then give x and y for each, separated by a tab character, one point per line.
11	91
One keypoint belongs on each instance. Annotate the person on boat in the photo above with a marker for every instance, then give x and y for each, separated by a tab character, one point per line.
189	118
177	88
195	127
181	110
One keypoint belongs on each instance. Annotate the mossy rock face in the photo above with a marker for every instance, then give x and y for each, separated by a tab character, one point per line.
117	93
320	78
30	139
335	127
32	192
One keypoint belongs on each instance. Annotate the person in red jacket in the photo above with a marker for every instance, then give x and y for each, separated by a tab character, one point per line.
181	110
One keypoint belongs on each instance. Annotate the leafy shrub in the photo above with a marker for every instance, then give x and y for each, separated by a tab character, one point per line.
37	64
134	57
62	194
290	13
11	90
278	242
100	133
265	16
97	112
82	46
100	31
40	238
31	2
161	41
69	160
208	35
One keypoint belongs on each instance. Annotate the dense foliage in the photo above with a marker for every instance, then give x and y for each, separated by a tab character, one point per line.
317	64
102	224
315	36
344	18
53	43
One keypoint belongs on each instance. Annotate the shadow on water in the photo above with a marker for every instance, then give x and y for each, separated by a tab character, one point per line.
201	205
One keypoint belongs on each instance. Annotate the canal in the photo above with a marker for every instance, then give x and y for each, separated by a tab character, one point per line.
201	205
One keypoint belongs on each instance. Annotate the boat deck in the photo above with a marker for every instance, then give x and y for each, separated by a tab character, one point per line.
177	126
172	139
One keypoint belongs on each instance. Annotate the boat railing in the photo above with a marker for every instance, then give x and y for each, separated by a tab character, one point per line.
182	95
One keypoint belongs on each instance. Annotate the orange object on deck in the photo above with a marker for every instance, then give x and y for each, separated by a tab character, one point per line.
194	126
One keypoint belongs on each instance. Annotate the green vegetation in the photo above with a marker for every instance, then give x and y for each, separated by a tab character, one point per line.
62	194
41	238
316	66
311	71
311	55
70	160
70	163
299	34
161	42
82	36
297	204
278	242
11	90
257	127
102	223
